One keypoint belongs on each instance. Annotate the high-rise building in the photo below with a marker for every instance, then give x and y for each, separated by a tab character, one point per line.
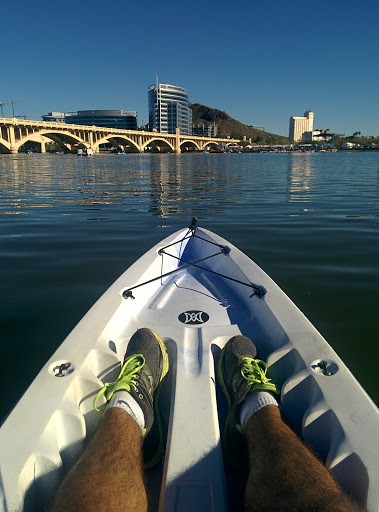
168	109
300	125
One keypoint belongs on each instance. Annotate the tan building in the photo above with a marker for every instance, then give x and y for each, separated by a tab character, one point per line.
300	125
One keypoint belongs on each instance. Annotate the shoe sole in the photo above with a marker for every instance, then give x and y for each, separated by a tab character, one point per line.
157	413
224	388
239	464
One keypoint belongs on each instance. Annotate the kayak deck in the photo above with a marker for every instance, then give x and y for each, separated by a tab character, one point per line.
195	312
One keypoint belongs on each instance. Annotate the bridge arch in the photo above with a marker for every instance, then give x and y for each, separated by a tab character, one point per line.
189	144
112	139
210	144
53	135
161	142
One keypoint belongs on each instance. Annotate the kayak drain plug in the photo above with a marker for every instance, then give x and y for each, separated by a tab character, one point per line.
62	368
324	368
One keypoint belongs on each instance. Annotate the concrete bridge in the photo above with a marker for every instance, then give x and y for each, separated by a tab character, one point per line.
14	133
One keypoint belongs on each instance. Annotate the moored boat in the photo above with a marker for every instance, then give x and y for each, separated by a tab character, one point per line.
197	291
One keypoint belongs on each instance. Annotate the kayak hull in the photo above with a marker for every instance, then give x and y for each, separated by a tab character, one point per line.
195	310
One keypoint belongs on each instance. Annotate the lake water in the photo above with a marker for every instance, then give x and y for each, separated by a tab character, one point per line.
69	226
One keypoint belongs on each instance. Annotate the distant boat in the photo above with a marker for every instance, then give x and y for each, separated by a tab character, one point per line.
85	152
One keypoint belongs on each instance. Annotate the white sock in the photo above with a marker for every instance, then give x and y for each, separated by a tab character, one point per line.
253	402
125	401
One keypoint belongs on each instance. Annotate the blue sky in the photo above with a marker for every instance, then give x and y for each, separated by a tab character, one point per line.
260	62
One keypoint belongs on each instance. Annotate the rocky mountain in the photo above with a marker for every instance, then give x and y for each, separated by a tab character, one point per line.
226	125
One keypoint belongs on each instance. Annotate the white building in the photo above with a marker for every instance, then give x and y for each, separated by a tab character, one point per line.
300	125
319	135
55	117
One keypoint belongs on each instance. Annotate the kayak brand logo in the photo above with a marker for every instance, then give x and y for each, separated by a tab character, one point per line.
193	317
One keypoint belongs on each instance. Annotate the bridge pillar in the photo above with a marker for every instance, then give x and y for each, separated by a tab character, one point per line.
12	139
140	143
177	141
43	146
95	148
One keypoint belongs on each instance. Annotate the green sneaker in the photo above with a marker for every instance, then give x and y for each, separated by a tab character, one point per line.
142	375
239	373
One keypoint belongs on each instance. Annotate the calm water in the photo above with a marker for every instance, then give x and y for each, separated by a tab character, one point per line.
69	226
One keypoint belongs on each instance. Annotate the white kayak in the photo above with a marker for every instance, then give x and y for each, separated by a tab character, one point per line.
196	291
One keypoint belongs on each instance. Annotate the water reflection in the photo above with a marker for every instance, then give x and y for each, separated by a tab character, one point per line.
177	186
163	185
187	185
299	177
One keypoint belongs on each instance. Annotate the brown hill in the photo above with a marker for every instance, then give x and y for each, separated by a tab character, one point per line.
227	126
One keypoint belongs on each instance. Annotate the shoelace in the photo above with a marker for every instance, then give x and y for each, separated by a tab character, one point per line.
254	370
126	380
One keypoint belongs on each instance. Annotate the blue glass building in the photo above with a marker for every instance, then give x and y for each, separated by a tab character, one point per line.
104	118
168	109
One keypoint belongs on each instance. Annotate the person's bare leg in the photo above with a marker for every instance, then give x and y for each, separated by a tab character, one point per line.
108	476
284	474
